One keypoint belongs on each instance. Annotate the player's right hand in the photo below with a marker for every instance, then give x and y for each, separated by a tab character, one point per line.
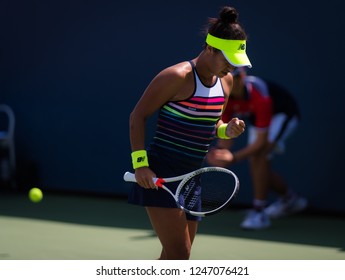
144	177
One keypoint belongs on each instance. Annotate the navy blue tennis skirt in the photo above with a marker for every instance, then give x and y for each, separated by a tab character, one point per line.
164	165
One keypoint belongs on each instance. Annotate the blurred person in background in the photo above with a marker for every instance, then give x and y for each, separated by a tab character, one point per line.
271	115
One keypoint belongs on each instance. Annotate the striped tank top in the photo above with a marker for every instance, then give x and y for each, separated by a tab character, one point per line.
187	127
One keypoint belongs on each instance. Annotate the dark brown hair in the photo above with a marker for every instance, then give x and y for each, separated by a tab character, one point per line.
226	26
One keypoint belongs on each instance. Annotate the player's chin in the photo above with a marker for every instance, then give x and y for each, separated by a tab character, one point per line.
222	74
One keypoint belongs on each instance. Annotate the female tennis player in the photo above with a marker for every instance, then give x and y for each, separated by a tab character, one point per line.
190	97
272	115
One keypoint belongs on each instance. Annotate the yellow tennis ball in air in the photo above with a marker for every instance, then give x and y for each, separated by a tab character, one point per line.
35	195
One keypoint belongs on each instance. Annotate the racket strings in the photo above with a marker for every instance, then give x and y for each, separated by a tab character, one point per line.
189	195
207	192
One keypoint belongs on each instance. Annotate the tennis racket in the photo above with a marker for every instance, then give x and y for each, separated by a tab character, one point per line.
205	191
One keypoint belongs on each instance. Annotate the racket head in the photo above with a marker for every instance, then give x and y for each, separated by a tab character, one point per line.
207	191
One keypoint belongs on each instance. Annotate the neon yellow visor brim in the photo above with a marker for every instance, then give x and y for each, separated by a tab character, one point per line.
233	50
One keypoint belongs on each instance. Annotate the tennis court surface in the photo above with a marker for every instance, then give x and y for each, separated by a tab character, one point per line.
84	227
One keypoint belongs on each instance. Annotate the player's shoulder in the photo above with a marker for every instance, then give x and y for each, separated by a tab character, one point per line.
179	70
173	78
227	83
176	75
228	79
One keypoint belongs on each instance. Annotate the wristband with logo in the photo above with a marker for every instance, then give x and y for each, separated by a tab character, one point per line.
139	159
221	131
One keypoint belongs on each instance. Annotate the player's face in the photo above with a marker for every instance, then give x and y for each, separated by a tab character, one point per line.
222	66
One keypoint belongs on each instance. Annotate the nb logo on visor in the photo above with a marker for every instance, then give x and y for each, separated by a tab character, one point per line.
242	47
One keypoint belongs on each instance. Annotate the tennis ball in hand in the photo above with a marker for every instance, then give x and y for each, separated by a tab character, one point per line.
35	195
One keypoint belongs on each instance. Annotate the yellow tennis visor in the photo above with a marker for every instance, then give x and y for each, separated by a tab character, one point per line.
233	50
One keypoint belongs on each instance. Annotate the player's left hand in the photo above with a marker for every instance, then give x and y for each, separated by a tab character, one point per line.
235	127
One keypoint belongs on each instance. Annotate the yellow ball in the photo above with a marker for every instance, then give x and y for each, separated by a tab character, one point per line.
35	195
